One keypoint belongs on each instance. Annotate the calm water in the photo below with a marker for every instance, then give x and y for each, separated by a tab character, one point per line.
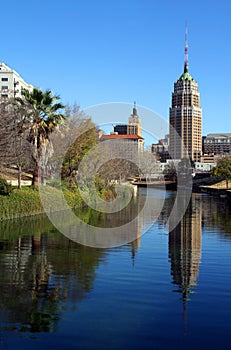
163	291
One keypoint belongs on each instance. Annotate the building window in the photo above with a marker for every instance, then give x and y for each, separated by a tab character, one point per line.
4	79
4	87
4	95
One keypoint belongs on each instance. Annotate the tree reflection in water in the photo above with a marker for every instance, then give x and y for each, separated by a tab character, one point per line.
43	273
39	272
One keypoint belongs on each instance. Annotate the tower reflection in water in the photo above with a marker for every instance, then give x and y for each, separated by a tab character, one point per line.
185	249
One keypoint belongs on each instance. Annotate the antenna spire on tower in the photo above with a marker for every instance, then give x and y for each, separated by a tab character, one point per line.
186	49
134	109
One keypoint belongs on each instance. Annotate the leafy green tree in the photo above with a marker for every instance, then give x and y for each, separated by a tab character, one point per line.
79	135
223	169
46	118
78	149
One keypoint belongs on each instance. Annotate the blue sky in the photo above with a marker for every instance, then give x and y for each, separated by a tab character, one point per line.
92	52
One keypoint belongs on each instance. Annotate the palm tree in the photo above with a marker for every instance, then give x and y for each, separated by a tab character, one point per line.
46	119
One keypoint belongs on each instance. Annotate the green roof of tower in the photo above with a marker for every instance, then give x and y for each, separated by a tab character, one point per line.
186	76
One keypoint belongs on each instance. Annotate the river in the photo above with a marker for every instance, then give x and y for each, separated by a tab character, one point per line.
164	290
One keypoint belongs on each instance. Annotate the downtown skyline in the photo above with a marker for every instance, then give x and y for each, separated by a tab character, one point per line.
95	52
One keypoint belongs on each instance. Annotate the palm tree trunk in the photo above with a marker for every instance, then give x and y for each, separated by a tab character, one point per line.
42	176
35	180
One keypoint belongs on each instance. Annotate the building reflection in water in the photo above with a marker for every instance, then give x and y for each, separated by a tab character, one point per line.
185	249
184	246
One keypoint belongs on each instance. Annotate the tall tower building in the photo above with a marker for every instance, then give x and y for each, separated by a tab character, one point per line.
134	123
134	126
185	116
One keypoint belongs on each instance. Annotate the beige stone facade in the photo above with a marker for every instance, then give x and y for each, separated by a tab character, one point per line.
185	117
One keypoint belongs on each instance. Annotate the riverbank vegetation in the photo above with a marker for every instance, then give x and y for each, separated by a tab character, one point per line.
27	201
223	170
46	140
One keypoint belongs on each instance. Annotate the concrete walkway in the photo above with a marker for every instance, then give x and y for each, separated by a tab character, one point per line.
23	182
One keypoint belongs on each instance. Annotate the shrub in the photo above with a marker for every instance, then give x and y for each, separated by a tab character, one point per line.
5	188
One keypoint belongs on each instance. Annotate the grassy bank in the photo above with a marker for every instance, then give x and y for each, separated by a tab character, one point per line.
27	201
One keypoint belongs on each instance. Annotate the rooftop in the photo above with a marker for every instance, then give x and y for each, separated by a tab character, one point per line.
124	137
186	76
221	135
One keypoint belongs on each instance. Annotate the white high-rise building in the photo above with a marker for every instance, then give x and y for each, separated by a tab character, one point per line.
11	82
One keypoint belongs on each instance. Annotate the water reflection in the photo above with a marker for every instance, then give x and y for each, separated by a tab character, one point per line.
185	249
43	274
204	212
113	229
42	271
216	214
38	274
